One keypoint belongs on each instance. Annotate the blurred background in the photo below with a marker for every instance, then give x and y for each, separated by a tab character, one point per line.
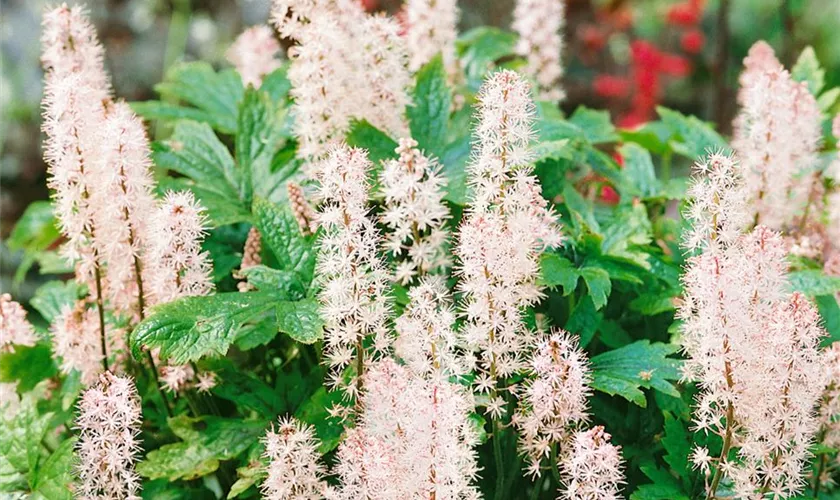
627	56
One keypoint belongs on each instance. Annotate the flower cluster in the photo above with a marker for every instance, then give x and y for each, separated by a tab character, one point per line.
304	215
251	257
345	64
414	213
108	423
592	469
176	230
777	136
427	341
507	225
125	188
293	467
555	400
539	24
431	29
413	439
354	280
751	345
253	54
14	328
78	340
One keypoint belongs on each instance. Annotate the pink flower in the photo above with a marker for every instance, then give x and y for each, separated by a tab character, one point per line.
507	226
555	399
592	468
180	268
539	24
293	467
353	279
253	54
108	423
431	29
14	328
414	213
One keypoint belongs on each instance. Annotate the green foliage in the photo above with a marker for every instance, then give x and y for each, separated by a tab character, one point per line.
212	97
34	232
429	116
205	442
641	364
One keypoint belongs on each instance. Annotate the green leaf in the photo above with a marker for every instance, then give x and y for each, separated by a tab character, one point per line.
664	487
677	444
281	234
248	393
216	94
314	412
641	364
653	303
830	312
266	278
300	320
276	84
813	282
53	296
692	137
167	112
598	282
638	169
827	99
247	476
454	162
807	69
20	443
596	125
479	48
191	328
558	271
195	152
27	365
55	476
259	136
36	228
584	320
207	442
559	149
377	143
429	116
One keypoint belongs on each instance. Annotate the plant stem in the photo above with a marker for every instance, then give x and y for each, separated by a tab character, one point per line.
720	64
555	471
497	454
820	470
724	452
665	171
101	309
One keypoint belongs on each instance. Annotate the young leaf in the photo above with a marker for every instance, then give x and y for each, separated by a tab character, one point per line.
598	282
638	169
281	234
217	95
53	296
692	137
641	364
479	48
429	116
377	143
195	152
260	135
596	125
558	271
207	441
584	320
807	69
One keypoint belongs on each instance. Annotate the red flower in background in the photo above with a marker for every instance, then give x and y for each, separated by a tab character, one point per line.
693	41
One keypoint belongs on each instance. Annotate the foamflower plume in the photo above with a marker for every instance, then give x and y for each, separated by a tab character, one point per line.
108	423
751	345
539	24
254	54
